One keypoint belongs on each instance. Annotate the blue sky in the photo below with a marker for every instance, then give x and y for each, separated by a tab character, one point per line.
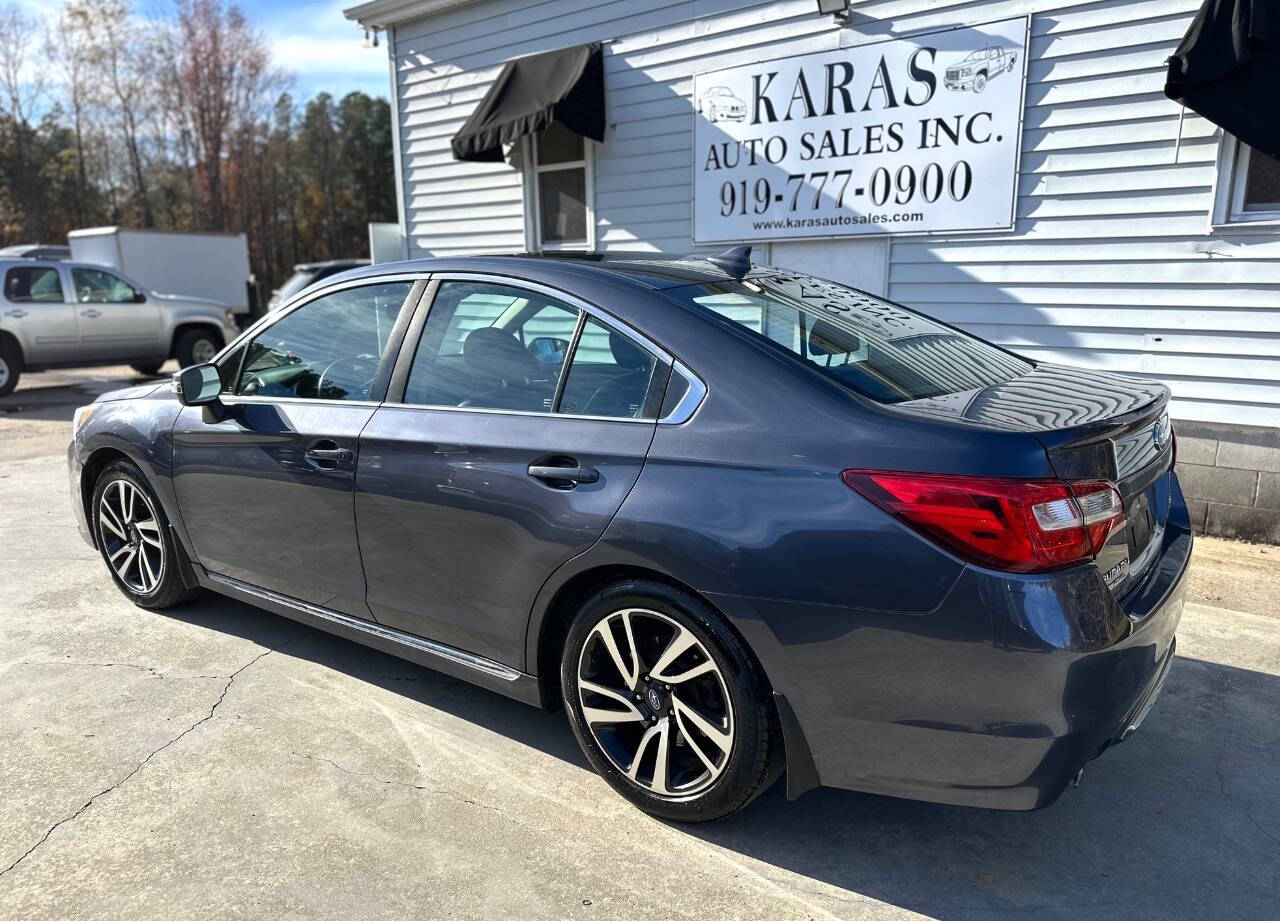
322	49
310	39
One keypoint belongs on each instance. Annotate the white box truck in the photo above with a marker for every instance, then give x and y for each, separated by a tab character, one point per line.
208	265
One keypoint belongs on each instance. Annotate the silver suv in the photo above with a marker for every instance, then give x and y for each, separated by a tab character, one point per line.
69	314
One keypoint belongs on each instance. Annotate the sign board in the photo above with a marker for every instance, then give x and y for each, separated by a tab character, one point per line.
908	135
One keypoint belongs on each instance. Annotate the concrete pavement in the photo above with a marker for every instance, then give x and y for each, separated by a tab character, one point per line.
219	762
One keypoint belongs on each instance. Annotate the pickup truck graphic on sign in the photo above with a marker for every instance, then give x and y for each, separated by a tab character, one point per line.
979	67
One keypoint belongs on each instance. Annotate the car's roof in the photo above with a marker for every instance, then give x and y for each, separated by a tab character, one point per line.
648	269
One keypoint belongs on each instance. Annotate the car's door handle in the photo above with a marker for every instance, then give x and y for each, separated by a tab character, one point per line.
564	474
17	314
326	455
91	314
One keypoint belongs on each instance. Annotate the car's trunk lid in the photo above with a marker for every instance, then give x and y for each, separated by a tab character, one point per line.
1094	425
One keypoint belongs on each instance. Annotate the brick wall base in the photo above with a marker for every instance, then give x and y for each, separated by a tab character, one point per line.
1230	475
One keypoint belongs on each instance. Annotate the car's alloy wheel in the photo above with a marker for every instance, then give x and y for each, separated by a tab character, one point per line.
131	538
655	702
135	540
668	703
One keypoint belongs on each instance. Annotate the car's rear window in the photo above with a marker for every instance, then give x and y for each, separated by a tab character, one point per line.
878	349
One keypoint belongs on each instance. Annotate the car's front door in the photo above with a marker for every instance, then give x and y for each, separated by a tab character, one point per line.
35	307
509	440
264	479
117	321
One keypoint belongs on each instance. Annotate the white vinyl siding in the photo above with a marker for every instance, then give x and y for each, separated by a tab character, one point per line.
1112	263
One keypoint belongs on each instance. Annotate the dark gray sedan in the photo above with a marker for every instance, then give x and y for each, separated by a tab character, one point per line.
736	520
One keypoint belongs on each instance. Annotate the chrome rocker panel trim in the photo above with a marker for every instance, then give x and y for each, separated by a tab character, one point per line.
448	659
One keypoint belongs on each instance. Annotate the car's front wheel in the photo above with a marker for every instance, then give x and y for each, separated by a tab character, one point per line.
979	83
134	539
668	704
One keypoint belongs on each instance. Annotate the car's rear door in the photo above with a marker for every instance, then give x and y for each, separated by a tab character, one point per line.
510	437
264	481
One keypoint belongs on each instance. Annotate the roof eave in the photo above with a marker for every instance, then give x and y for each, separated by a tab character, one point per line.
379	14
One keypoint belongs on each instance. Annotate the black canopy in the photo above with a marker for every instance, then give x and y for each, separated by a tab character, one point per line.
565	86
1227	68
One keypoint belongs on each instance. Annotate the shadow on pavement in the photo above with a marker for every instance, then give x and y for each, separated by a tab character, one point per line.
56	400
1183	821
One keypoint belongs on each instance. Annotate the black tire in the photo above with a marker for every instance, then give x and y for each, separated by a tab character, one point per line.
168	589
754	758
10	366
148	370
193	345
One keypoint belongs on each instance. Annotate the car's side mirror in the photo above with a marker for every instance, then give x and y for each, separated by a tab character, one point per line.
139	297
198	385
548	349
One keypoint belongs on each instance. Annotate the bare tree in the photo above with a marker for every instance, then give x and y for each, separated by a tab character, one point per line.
122	61
220	83
69	49
22	85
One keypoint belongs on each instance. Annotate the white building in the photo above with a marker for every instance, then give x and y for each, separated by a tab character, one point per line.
1108	229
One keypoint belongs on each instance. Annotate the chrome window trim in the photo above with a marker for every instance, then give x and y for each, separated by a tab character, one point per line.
306	297
587	309
684	410
301	300
231	399
572	300
449	653
419	407
681	413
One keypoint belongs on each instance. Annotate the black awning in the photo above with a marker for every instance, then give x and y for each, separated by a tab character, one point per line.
565	86
1227	68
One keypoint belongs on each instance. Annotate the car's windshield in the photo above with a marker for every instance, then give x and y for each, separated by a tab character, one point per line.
876	348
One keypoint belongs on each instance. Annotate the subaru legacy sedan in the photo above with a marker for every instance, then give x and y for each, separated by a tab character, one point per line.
736	520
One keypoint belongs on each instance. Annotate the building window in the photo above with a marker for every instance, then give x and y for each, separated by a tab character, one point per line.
1248	186
558	188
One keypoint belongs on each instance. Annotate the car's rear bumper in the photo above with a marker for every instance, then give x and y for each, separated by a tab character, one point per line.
910	705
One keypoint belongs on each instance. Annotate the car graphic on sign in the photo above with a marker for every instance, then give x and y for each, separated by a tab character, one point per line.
718	104
979	67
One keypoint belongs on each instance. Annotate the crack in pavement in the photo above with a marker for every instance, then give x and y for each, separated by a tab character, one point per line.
143	763
151	670
439	791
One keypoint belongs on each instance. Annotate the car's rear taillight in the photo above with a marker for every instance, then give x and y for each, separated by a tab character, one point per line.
1010	524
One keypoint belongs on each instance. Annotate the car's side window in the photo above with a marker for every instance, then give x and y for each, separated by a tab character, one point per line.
491	346
327	349
610	375
94	286
28	284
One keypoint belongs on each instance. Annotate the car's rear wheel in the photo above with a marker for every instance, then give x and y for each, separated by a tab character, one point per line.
10	366
668	704
196	347
134	538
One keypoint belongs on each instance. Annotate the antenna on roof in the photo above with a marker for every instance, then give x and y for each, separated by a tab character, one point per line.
736	261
